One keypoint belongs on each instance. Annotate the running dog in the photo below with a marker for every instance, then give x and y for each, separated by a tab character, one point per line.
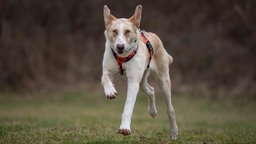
135	53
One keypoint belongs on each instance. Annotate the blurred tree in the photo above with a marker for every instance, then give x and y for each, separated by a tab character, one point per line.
47	44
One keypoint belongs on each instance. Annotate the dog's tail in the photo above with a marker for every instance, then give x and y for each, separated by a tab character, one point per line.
170	59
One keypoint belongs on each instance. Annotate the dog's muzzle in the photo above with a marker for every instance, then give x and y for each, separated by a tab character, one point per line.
120	48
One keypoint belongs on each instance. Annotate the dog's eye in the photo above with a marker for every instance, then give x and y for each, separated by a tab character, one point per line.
127	32
115	32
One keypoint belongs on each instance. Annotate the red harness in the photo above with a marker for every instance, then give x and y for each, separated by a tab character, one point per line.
148	44
121	60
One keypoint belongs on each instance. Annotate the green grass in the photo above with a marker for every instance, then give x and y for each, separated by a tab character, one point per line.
80	117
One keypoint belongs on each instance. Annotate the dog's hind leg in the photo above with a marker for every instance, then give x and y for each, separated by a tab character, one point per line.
163	78
149	90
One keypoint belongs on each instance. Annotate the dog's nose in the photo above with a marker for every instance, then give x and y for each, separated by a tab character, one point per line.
120	46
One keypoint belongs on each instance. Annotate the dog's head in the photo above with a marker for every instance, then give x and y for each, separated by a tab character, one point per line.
122	34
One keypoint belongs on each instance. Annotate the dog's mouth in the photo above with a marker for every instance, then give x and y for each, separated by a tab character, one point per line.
120	51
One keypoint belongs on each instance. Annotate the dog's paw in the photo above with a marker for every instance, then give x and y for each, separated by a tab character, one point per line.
152	111
112	96
124	132
110	92
174	133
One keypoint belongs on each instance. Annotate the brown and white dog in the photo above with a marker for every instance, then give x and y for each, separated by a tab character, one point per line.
123	39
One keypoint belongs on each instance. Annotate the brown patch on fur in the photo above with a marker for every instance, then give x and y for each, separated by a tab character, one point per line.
135	19
108	17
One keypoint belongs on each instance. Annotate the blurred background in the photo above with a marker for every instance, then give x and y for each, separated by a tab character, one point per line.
54	45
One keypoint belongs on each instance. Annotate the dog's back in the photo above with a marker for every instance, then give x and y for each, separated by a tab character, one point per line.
160	54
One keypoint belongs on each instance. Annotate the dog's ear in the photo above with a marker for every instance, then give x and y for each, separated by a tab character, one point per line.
135	19
108	17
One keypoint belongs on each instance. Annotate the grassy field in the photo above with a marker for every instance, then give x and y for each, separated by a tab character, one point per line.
80	117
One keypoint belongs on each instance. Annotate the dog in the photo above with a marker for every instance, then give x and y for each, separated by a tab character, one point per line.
135	53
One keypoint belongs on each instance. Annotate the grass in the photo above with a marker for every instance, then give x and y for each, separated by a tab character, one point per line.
80	117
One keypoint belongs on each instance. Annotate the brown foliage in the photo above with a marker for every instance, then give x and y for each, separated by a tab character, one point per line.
48	43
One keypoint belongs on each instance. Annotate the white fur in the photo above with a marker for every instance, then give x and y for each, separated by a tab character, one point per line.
136	71
121	39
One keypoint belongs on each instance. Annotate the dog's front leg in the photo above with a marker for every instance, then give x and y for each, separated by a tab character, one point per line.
133	88
109	88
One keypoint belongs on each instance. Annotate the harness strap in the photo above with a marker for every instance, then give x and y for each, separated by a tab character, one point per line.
121	60
148	44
